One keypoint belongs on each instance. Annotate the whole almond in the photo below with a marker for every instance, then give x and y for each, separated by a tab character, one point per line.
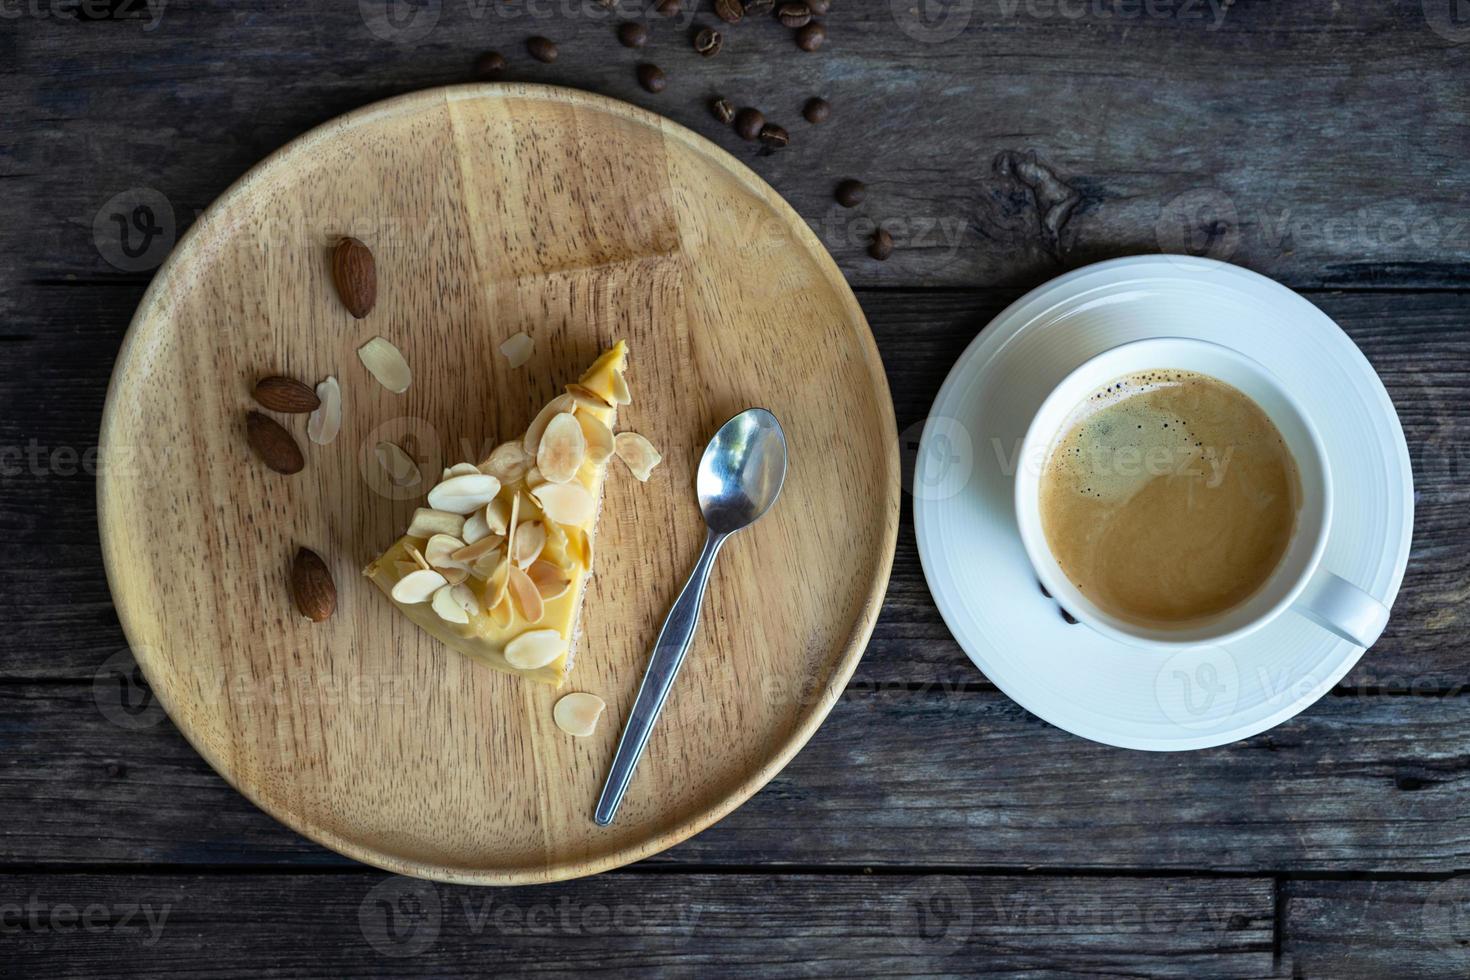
356	276
273	444
286	395
312	586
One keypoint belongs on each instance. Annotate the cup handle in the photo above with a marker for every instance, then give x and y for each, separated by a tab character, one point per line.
1340	607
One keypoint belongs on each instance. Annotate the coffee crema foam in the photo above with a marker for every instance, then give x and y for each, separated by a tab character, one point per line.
1169	499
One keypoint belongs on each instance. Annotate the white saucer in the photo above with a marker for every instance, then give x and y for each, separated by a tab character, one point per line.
983	583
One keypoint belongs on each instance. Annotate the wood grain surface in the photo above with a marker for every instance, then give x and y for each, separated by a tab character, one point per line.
493	210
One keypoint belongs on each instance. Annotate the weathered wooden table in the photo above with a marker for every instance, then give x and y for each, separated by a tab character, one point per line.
932	826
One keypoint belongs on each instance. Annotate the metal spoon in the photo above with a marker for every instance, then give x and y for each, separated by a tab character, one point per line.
740	477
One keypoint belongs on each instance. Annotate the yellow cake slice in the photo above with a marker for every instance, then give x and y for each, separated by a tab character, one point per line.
494	565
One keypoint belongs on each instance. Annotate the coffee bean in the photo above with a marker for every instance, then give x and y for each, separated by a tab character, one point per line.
652	77
758	8
811	37
794	15
882	245
490	64
748	123
633	34
850	193
707	42
668	7
729	11
723	109
774	136
819	7
817	110
542	49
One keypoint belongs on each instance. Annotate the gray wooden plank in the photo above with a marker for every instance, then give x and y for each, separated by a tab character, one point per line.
944	779
637	924
1003	141
53	381
1373	929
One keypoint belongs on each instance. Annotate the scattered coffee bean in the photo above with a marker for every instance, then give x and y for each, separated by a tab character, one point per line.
707	42
543	49
489	64
882	245
668	7
723	109
851	193
817	110
729	11
795	14
819	7
774	136
652	77
748	123
632	34
758	8
811	37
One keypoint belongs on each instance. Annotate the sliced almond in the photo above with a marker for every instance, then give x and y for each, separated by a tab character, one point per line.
419	586
471	553
508	462
562	448
465	596
475	527
587	398
638	453
439	548
485	566
577	714
534	478
517	349
534	648
497	515
454	576
498	584
530	539
553	408
566	503
598	436
549	580
525	595
428	522
417	556
501	612
584	547
401	469
459	469
446	607
620	393
324	423
464	494
385	362
515	517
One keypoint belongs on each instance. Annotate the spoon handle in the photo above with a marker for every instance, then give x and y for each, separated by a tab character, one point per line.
668	654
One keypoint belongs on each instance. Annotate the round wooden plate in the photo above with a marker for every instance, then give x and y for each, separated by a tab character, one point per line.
493	209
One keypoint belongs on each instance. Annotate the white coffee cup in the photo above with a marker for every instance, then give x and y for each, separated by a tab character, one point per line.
1299	582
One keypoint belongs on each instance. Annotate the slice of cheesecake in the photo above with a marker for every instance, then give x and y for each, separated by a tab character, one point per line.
495	564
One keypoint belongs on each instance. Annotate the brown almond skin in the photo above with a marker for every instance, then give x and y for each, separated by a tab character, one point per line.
312	586
273	444
286	395
356	276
